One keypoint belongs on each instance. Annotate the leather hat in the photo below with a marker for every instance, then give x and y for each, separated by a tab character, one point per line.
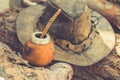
97	45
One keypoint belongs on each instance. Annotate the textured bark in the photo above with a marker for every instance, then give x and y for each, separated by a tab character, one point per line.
12	67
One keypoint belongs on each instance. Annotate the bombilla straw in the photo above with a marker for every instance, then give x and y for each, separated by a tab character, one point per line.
51	20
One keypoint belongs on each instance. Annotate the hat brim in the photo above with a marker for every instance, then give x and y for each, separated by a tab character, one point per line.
102	44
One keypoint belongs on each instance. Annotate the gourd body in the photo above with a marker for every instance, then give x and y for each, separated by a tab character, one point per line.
38	52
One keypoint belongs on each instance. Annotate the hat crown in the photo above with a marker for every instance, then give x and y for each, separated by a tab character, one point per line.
73	8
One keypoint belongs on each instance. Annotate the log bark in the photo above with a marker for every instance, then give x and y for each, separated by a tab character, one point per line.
12	67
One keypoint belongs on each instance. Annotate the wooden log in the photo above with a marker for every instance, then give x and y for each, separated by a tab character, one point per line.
12	67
